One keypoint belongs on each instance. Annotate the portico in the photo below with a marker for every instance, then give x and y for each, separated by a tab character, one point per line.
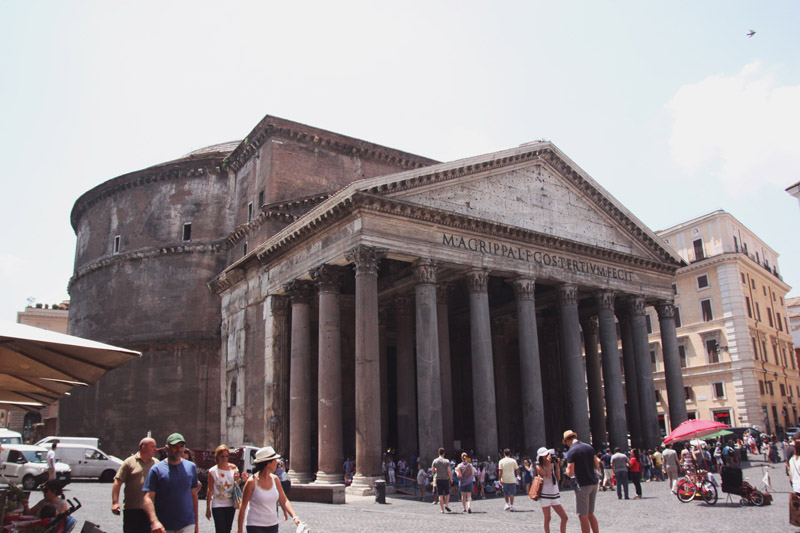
501	277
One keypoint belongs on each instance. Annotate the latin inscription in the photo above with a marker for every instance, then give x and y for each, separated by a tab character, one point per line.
533	256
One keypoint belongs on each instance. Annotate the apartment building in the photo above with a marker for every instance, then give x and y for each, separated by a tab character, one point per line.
735	341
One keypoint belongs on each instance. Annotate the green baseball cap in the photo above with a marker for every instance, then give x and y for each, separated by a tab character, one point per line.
175	438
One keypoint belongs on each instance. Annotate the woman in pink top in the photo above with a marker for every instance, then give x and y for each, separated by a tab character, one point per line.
262	493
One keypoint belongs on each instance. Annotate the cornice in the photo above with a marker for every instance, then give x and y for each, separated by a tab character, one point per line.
735	257
168	171
275	127
215	247
543	155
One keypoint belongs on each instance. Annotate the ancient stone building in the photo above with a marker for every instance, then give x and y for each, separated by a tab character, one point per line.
367	298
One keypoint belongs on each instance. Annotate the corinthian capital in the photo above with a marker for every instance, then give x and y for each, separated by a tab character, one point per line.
524	288
366	259
568	294
478	280
605	299
299	291
425	271
328	278
637	305
665	309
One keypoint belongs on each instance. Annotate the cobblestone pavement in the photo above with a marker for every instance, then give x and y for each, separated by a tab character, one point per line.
658	511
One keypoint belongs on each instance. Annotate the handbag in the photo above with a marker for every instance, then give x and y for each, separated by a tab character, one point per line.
536	488
237	496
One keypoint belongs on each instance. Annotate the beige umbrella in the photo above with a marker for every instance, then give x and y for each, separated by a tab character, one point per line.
38	366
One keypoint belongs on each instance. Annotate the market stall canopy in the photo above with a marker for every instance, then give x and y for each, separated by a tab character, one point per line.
38	366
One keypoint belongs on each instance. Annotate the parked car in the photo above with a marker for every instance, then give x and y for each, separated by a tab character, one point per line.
86	441
738	433
27	465
88	461
10	437
791	433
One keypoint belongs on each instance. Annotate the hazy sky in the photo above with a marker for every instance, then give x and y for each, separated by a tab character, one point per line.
669	105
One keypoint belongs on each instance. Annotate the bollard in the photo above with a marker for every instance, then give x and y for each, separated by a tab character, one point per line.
380	491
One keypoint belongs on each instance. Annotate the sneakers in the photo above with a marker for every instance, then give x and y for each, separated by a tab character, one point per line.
511	508
507	507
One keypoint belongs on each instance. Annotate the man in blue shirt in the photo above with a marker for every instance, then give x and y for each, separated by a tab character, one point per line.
171	491
581	464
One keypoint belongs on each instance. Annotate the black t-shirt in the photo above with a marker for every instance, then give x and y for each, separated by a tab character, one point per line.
582	455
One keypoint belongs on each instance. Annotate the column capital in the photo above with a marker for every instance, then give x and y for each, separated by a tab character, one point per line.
425	271
605	299
328	278
524	287
299	291
366	259
278	304
568	294
478	280
636	305
665	309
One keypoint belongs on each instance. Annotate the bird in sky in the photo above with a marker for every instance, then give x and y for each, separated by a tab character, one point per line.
751	33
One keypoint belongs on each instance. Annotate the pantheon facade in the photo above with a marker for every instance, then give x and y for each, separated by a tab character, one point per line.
343	298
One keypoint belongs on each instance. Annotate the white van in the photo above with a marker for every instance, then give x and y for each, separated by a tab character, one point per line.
88	461
86	441
10	437
27	465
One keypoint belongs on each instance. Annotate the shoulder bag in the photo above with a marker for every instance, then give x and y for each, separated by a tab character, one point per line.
536	488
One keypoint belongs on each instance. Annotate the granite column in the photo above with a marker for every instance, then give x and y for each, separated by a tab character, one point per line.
616	422
672	364
573	374
300	388
406	381
648	412
594	377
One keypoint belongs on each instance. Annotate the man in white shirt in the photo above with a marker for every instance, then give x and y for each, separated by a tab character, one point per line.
51	462
509	470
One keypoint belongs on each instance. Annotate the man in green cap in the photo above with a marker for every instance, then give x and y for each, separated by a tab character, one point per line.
171	491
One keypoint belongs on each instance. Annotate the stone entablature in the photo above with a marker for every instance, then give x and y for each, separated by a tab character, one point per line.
275	127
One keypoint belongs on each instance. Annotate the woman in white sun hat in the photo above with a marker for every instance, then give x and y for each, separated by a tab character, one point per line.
262	493
551	496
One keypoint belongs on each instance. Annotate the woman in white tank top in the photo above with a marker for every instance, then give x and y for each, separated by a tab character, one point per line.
262	493
219	495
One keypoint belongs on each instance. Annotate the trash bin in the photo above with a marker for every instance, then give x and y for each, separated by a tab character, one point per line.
380	491
744	453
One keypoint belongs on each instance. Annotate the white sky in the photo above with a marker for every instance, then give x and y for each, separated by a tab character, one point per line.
669	105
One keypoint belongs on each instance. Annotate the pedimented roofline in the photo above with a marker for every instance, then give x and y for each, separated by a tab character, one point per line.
376	194
271	126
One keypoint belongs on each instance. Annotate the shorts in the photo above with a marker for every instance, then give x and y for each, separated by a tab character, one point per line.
584	499
465	488
550	502
509	489
443	487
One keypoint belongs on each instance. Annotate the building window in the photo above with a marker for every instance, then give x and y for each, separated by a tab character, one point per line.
677	317
718	389
755	348
783	357
761	387
769	318
244	248
698	250
764	353
783	389
735	244
658	396
779	321
771	390
648	323
687	393
702	281
250	211
749	310
753	283
775	352
116	244
758	312
260	199
682	355
187	232
653	358
674	289
764	289
711	350
705	307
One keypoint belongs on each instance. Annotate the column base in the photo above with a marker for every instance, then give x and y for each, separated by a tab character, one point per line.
329	479
362	485
300	477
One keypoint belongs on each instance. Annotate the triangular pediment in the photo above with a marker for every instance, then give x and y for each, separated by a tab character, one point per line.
535	188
